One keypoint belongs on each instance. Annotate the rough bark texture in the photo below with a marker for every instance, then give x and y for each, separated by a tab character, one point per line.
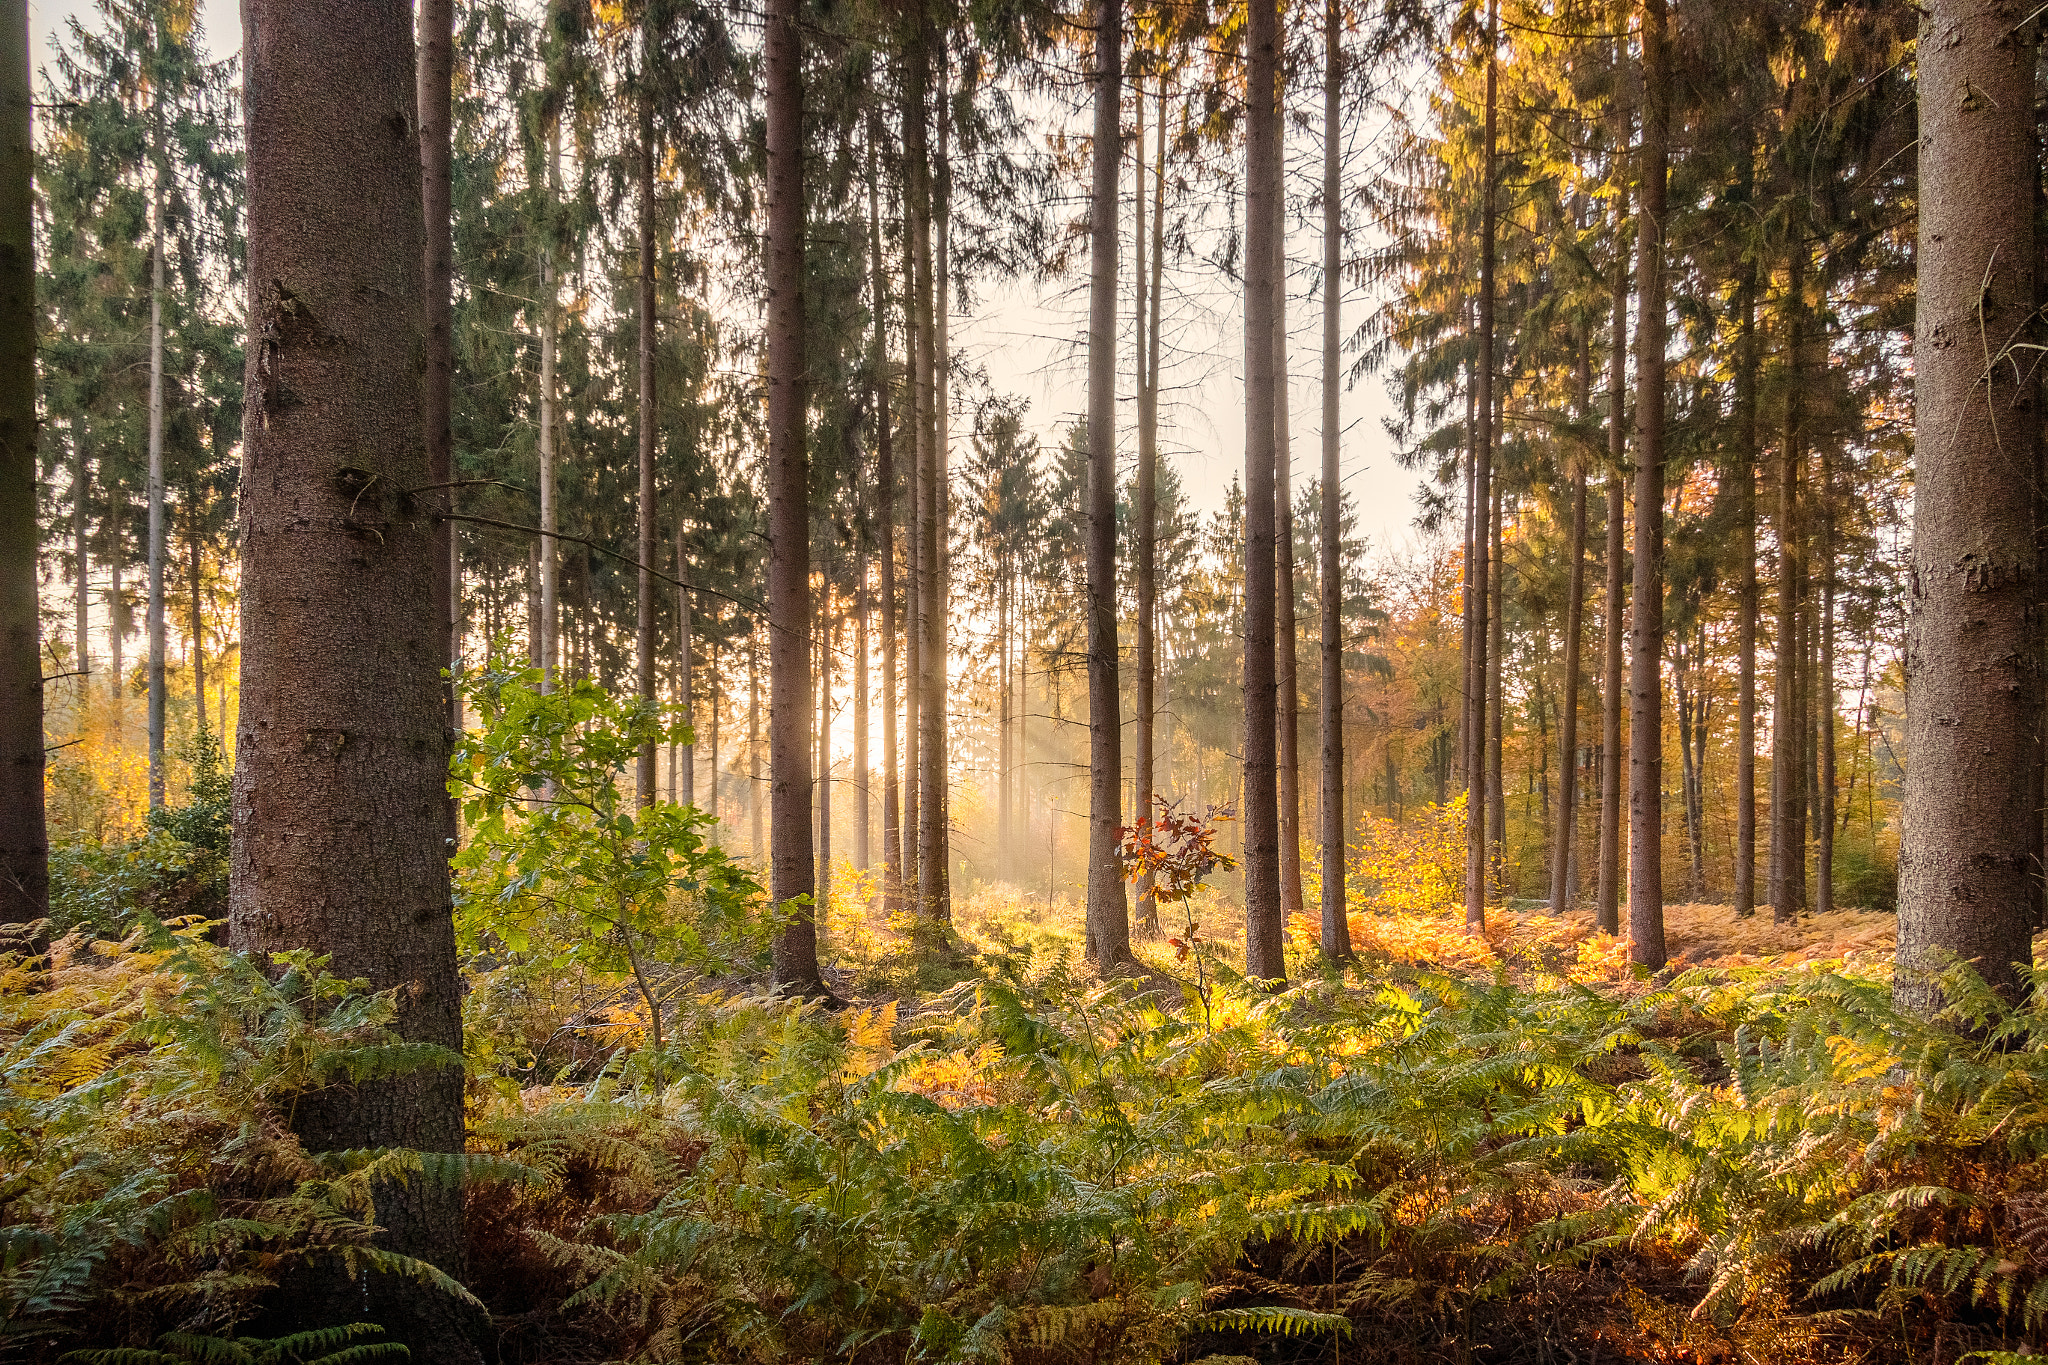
792	865
643	642
342	748
1109	930
1336	925
885	538
437	122
24	841
1264	958
1646	626
1476	566
1286	659
1146	574
1973	644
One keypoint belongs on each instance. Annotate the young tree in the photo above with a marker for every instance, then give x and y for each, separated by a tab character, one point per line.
1478	569
1336	926
342	750
24	844
1973	645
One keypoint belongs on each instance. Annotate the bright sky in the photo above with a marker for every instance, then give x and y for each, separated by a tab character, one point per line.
1028	338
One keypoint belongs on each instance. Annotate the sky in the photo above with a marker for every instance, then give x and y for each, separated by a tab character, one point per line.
1027	336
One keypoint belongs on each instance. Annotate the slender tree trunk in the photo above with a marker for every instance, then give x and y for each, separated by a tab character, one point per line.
1744	476
643	639
860	709
1482	498
1264	948
1824	698
1786	855
1109	932
342	754
827	629
1286	660
550	607
1496	709
934	858
1646	634
686	670
1336	925
24	839
755	805
1143	766
1607	908
155	624
436	76
711	807
793	871
917	281
1561	889
81	558
192	511
885	508
1006	757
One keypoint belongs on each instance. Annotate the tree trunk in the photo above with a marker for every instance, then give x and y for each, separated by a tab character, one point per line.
792	869
24	840
860	709
759	844
1264	945
1286	660
934	858
550	607
826	631
1568	717
686	675
1482	499
436	76
155	620
1336	926
81	558
1646	633
885	508
198	636
1824	700
1744	476
1787	854
1468	619
1142	766
1496	709
643	642
917	290
1108	915
342	753
1607	907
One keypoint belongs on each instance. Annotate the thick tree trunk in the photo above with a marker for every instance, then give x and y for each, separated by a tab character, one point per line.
1336	925
643	642
1482	498
1264	945
155	548
1646	633
436	76
342	750
792	865
24	840
1108	914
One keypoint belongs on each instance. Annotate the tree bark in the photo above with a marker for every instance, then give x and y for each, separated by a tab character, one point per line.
81	557
1568	716
1286	660
1496	648
917	291
1142	766
24	839
1787	855
792	865
860	709
885	509
192	512
1824	701
1108	914
1482	499
550	606
1336	924
155	619
1747	363
436	78
342	751
1264	946
1646	633
934	857
643	642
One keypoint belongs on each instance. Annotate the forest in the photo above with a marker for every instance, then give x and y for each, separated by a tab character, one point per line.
1026	681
